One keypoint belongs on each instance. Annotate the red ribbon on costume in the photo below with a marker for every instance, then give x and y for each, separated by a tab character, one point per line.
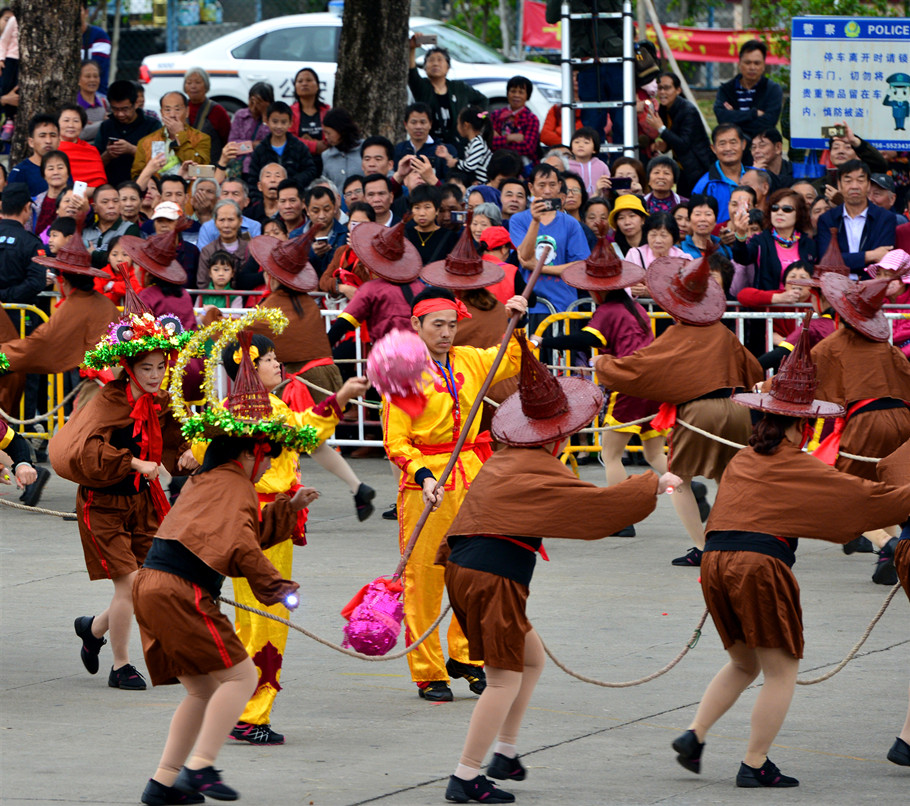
542	550
665	417
829	447
412	405
151	444
392	586
441	304
482	446
298	536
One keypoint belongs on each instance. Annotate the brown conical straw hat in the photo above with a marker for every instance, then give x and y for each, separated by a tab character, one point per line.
602	270
686	290
287	261
463	268
158	254
859	303
386	252
73	258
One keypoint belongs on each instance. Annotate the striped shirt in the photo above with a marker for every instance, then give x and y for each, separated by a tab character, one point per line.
476	159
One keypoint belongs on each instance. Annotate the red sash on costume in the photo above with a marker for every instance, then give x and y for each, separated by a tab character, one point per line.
829	447
298	536
297	395
151	444
482	446
665	417
542	550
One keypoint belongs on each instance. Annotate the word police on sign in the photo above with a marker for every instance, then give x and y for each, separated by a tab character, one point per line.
854	71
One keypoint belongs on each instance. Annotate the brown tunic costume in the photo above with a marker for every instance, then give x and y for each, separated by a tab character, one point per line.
304	340
524	494
217	519
117	519
895	469
57	345
852	368
694	368
763	504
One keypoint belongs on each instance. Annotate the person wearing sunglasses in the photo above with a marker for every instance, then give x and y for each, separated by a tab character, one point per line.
783	241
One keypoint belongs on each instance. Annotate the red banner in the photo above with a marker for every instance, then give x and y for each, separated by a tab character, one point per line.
687	44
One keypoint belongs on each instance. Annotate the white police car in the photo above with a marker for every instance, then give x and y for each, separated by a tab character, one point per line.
274	50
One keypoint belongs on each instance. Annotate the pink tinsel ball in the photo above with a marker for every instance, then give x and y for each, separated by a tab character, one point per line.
398	363
375	623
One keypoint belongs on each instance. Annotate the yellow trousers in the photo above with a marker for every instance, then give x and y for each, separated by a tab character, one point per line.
264	639
424	583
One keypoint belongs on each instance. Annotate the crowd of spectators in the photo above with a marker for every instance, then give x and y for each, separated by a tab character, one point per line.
103	166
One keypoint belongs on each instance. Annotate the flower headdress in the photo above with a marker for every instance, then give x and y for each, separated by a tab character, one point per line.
4	363
246	412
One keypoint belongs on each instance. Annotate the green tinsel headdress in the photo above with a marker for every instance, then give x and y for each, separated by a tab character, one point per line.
4	363
247	411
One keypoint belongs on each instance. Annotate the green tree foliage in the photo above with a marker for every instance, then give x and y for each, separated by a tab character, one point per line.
482	18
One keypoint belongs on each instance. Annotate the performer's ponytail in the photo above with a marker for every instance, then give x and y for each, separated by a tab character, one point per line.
769	432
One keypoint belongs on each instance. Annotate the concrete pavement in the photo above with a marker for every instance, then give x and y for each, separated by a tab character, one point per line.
357	732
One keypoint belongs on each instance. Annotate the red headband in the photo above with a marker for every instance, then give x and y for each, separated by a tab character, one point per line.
441	304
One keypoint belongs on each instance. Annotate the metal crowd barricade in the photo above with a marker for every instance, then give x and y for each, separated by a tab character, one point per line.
54	382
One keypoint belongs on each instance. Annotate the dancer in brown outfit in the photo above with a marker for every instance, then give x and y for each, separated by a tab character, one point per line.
692	368
770	495
520	496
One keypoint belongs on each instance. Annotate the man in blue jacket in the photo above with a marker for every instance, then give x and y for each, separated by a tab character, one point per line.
729	145
865	232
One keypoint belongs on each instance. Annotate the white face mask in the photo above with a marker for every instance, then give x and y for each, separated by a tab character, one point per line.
651	88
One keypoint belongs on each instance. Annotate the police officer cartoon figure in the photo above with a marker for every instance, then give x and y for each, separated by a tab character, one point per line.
898	98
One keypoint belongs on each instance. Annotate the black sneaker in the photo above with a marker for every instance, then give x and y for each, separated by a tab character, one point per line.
629	531
690	558
156	794
126	677
435	691
32	492
475	675
767	775
899	753
91	646
480	789
506	769
885	572
700	491
689	749
859	545
362	499
391	514
207	782
256	734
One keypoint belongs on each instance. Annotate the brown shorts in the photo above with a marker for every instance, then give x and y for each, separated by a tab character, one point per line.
184	633
694	455
902	564
874	433
753	598
491	612
327	376
116	531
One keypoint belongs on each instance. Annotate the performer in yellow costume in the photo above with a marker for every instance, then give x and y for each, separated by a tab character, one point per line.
421	446
264	639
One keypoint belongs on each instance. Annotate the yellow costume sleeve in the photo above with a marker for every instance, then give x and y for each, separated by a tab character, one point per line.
397	428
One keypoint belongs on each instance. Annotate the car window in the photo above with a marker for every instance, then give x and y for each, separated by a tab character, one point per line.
461	45
304	44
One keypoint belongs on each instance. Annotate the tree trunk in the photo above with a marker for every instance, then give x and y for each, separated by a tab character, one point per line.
371	82
50	39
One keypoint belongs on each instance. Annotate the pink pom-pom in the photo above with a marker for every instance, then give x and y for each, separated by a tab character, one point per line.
398	364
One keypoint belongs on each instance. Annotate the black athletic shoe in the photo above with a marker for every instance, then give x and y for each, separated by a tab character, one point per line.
435	691
885	572
689	749
156	794
32	492
700	491
207	782
691	558
362	499
629	531
391	514
475	675
766	775
126	677
506	769
91	646
899	752
256	734
859	545
480	789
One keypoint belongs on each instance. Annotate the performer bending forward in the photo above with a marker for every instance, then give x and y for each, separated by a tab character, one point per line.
771	494
519	497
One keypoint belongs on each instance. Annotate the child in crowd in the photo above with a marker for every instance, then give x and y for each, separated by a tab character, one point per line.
285	150
474	125
585	146
222	269
431	241
59	233
113	287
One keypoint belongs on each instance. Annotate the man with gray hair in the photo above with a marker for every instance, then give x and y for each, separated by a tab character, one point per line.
236	191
